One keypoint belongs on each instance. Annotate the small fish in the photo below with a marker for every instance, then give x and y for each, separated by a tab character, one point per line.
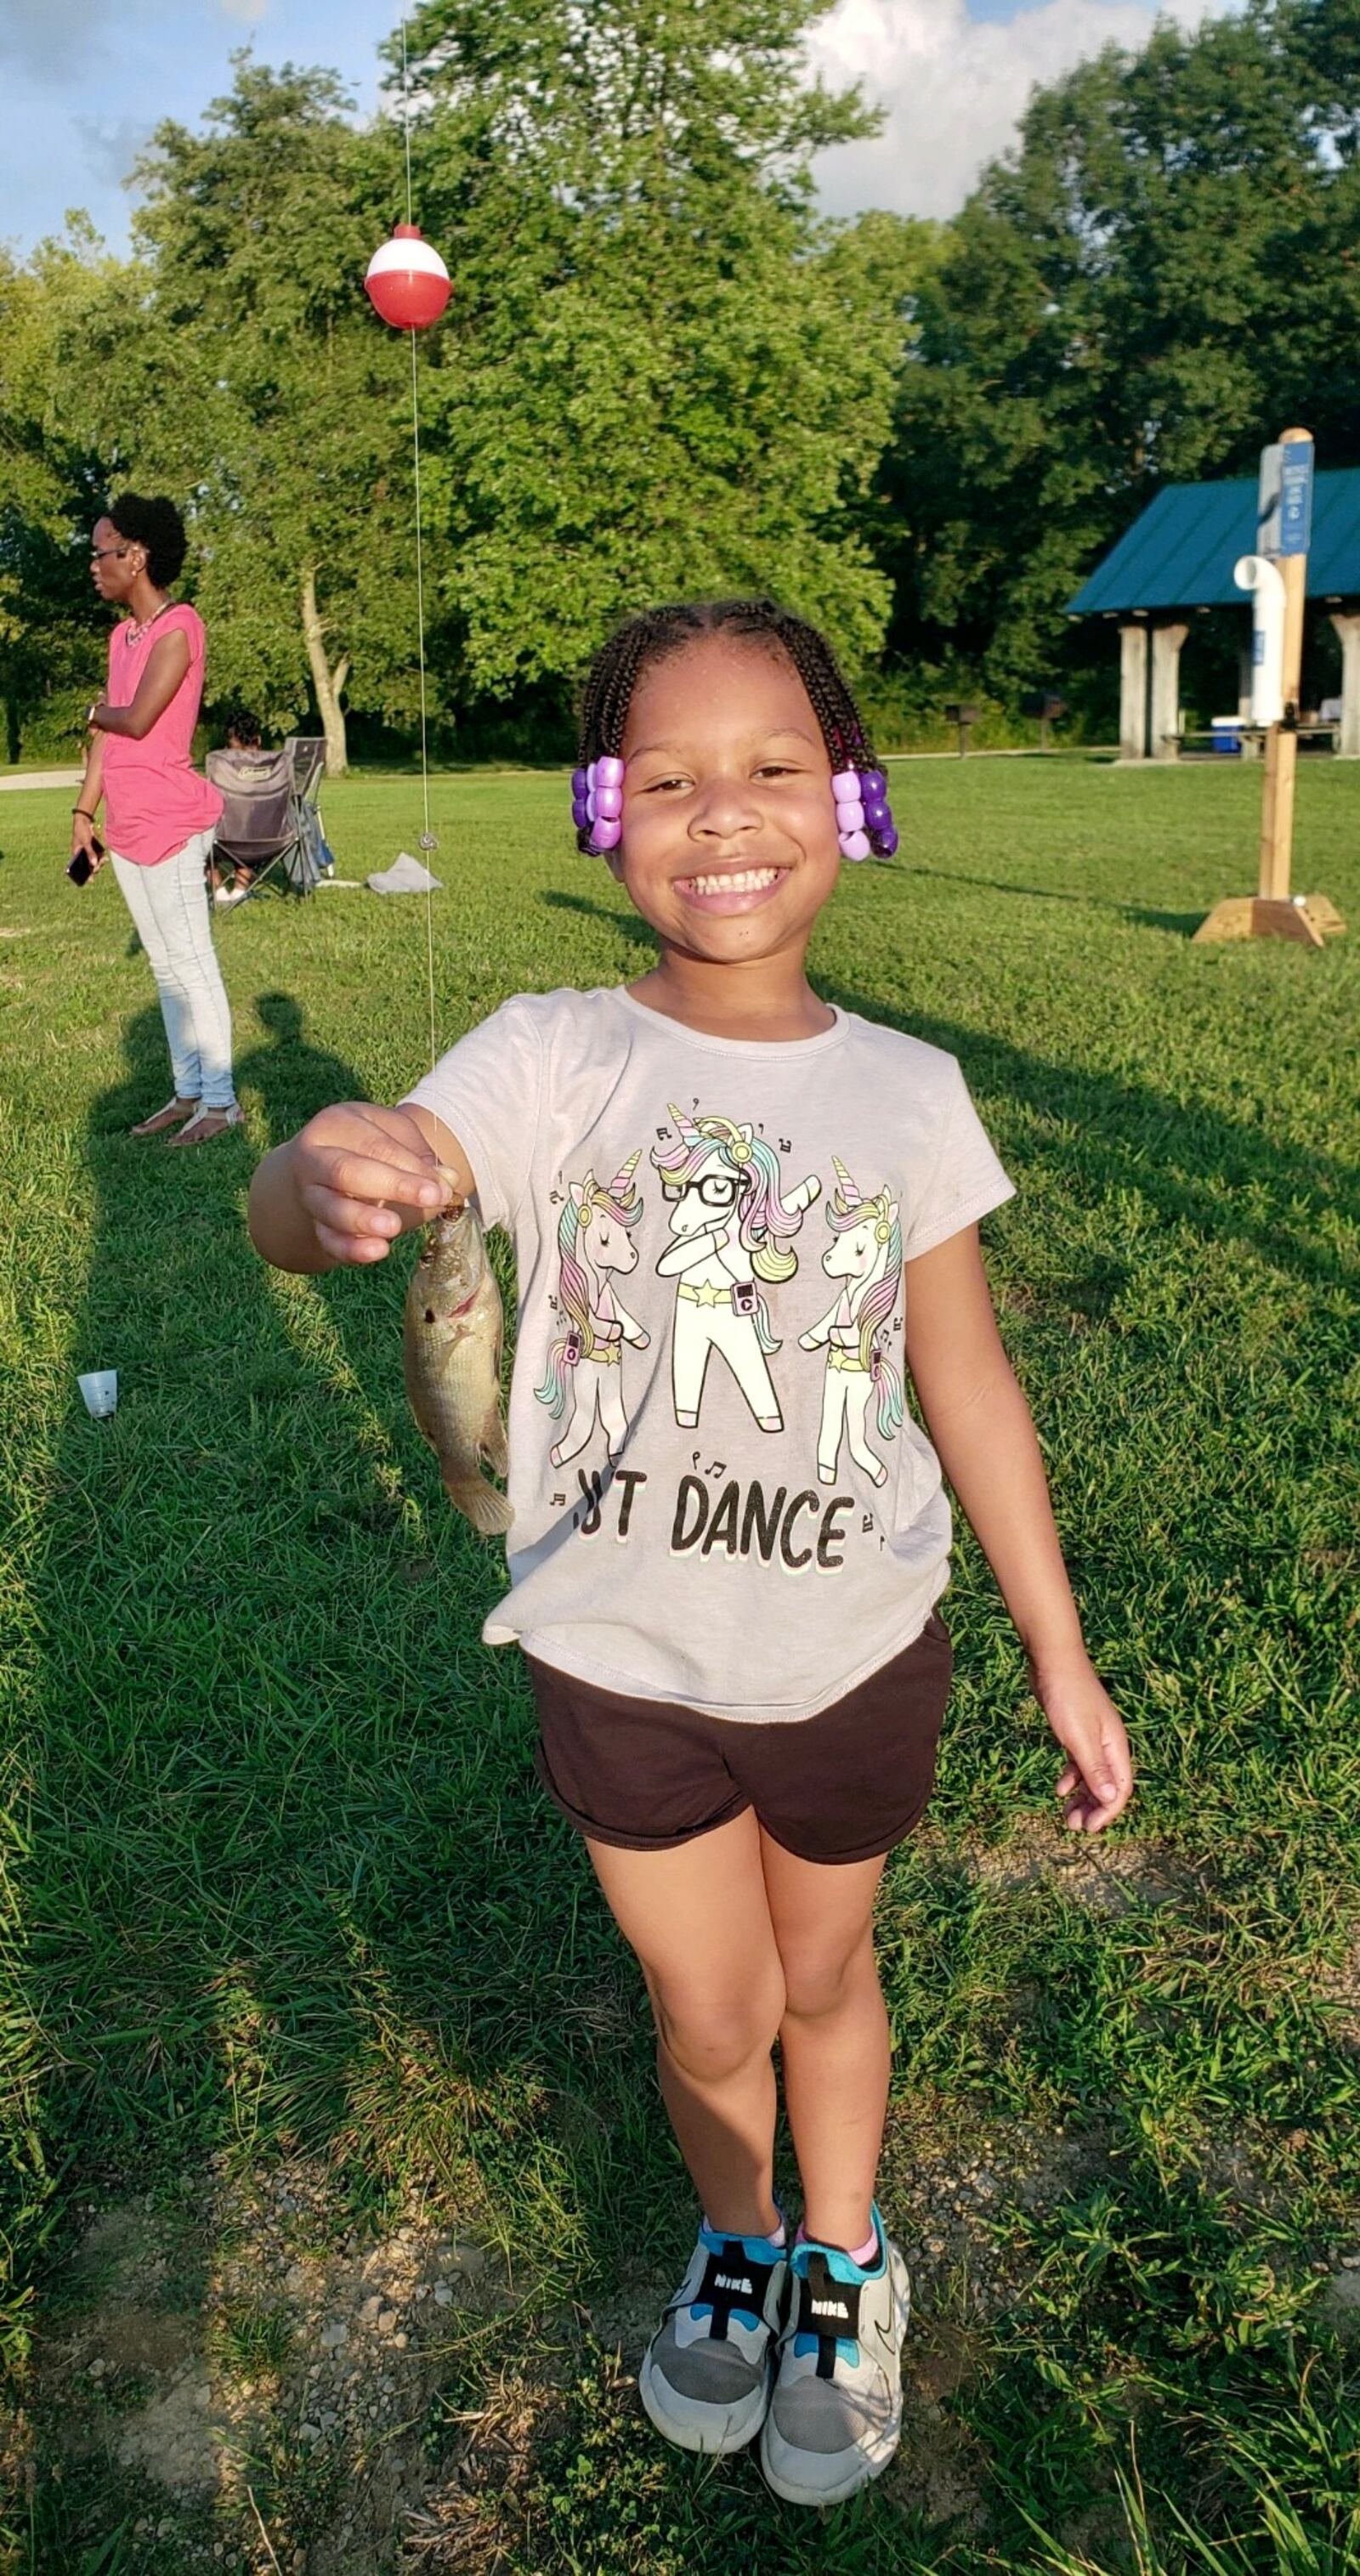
451	1355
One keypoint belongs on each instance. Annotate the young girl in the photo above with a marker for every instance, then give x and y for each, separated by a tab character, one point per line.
725	1577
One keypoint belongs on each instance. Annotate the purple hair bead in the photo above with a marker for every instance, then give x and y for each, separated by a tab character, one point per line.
887	841
877	813
580	812
609	802
607	834
579	784
609	771
872	784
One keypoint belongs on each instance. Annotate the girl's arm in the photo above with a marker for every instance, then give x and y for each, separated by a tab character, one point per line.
352	1180
167	666
980	1425
87	801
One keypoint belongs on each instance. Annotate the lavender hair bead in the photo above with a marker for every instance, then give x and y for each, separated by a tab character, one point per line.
850	815
845	787
607	834
609	802
854	845
609	771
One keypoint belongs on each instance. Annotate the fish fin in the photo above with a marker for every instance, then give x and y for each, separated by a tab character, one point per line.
479	1503
495	1443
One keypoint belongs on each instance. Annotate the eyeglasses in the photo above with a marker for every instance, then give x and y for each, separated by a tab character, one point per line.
97	553
716	1192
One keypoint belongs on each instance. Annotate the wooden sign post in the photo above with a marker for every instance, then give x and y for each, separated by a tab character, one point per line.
1285	517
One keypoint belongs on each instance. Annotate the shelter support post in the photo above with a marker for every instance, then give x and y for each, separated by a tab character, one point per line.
1133	671
1272	913
1164	717
1347	624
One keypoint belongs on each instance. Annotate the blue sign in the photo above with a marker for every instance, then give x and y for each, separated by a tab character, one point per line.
1296	498
1284	509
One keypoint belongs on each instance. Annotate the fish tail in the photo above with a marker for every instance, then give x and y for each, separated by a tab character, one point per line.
479	1503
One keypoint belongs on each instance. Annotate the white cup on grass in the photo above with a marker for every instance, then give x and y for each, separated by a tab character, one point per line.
100	1390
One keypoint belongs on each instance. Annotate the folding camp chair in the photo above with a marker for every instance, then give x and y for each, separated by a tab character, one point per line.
270	817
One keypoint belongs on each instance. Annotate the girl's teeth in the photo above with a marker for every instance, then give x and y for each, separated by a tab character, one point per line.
744	881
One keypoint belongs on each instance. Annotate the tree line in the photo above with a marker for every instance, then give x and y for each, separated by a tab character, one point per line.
662	372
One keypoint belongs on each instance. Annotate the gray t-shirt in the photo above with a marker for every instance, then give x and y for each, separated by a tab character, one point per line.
720	1498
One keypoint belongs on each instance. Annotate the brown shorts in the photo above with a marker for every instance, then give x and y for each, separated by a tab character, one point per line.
846	1785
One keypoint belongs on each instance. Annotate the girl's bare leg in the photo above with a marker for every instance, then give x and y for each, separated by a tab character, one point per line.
833	2038
699	1922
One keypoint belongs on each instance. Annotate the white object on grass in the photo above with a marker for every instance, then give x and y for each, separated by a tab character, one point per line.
100	1390
405	876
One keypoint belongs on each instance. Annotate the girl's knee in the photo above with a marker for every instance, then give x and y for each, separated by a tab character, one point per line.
713	2035
819	1979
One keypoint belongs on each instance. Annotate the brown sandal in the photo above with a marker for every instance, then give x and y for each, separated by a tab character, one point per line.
208	1123
173	1114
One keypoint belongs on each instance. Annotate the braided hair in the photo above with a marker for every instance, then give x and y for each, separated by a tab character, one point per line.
657	632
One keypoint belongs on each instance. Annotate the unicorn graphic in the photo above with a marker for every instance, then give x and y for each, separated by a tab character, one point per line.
867	1255
731	1229
594	1247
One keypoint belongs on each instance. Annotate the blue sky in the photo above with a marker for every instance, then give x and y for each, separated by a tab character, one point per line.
85	81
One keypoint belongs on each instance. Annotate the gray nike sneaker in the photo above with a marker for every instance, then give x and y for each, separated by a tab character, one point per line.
836	2412
705	2377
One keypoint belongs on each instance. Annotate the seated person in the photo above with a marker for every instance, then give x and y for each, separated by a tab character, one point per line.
247	763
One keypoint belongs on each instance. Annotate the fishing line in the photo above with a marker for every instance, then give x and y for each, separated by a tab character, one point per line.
428	842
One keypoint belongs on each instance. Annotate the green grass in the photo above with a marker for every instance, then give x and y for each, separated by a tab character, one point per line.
277	1876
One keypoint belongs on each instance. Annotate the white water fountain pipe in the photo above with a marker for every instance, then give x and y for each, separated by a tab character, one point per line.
1261	577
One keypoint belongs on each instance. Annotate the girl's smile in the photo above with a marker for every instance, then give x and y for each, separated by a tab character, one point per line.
731	889
729	843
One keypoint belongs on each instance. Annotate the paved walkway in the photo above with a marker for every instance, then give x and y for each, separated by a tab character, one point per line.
41	777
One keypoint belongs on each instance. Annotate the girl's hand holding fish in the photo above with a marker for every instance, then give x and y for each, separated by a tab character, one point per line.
352	1180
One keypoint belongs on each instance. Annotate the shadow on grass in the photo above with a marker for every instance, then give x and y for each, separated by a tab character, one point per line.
300	1893
1181	925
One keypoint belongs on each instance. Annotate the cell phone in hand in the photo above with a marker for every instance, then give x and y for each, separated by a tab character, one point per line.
81	868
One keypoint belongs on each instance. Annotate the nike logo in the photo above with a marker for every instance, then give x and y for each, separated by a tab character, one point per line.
725	2282
829	2308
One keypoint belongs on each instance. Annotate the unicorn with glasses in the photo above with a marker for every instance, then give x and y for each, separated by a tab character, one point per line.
867	1256
732	1228
594	1248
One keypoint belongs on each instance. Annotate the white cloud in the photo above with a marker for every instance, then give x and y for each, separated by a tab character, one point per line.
954	87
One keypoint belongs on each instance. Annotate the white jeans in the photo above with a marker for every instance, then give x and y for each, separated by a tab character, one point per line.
169	904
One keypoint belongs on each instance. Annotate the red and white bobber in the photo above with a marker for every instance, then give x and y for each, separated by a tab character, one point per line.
406	280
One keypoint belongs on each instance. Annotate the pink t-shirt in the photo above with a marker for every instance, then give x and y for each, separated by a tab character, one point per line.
154	798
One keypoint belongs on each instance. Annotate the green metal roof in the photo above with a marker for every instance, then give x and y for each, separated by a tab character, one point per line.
1181	552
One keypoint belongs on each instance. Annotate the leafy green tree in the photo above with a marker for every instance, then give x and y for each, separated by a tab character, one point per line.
1162	277
661	374
52	486
260	385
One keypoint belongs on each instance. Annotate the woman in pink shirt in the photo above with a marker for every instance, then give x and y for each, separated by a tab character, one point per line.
160	814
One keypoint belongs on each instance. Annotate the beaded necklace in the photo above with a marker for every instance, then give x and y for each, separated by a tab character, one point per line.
136	632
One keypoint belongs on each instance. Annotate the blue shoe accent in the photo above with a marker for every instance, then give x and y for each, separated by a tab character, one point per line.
834	2265
759	2251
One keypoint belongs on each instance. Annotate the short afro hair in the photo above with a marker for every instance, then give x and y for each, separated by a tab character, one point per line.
157	525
